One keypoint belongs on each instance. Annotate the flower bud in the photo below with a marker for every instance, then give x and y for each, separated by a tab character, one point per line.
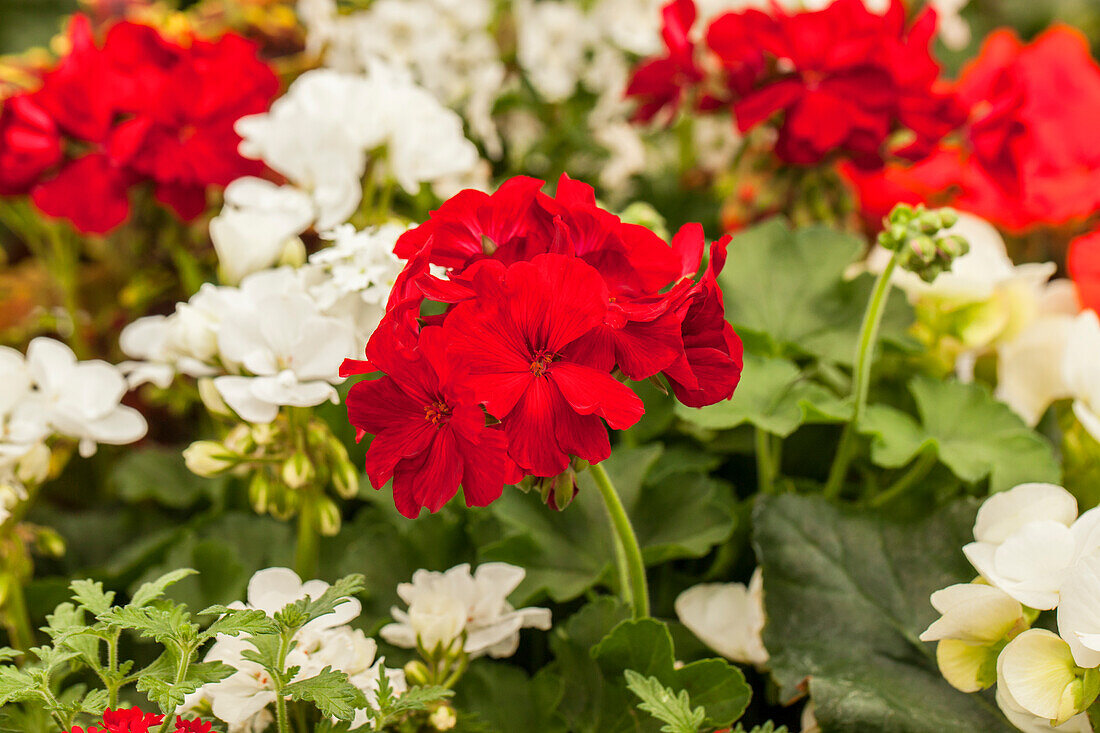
34	467
328	517
48	542
283	503
263	434
298	471
208	458
416	672
239	440
294	253
212	399
259	492
923	249
443	718
345	477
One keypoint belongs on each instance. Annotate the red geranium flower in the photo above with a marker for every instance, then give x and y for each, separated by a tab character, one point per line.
30	144
1083	263
131	720
844	78
139	108
516	339
429	430
660	84
1026	158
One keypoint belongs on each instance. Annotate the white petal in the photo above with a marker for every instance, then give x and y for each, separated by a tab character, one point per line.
1036	668
1004	513
726	618
1029	370
237	393
1079	610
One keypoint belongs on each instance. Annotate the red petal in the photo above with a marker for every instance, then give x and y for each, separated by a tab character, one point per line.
592	392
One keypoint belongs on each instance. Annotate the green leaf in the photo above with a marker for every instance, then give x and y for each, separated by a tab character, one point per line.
160	475
662	703
330	692
846	594
334	595
17	686
774	396
167	626
505	699
768	727
153	590
974	435
90	596
645	646
675	514
786	294
235	621
418	698
158	680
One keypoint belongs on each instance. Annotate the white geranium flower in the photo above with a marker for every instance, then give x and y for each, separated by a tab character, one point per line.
81	400
253	228
1081	370
1079	611
976	621
552	40
1036	675
242	699
443	606
1030	367
291	351
727	617
1027	539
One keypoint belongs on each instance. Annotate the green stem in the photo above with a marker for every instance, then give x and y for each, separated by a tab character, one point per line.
917	470
865	351
620	523
282	723
622	568
766	465
112	666
307	549
181	675
16	618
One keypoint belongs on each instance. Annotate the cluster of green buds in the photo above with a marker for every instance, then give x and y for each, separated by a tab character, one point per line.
916	235
288	462
557	492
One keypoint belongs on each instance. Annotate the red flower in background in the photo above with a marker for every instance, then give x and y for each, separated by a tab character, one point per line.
546	301
140	108
1083	263
844	78
30	144
1028	156
660	84
837	81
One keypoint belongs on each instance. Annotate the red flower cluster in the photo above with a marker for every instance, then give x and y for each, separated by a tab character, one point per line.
545	299
841	81
133	720
1083	263
138	109
1027	157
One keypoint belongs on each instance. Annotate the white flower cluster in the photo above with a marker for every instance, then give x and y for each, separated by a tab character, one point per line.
728	618
48	392
1034	553
328	132
242	700
445	45
444	608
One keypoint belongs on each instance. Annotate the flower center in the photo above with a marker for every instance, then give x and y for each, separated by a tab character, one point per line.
437	412
542	362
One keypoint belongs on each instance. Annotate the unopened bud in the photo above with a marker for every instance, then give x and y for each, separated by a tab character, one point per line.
259	492
212	399
263	434
34	467
294	253
345	477
48	542
239	440
954	246
443	718
328	517
416	672
208	458
923	249
901	214
298	471
283	503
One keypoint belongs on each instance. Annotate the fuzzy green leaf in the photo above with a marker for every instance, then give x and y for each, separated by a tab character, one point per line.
331	692
672	709
153	590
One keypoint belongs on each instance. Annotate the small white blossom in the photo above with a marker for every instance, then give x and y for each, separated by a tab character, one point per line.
727	617
242	699
443	606
1036	675
253	228
1028	538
